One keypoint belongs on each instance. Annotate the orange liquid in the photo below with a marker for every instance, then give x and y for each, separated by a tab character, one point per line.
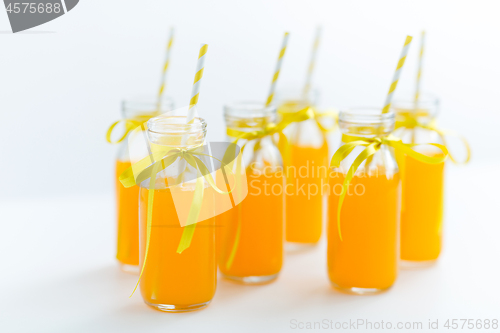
304	200
171	278
422	210
127	200
368	254
260	247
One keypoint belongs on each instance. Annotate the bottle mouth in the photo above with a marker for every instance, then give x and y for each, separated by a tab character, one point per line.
248	110
176	125
426	106
249	115
296	97
366	121
146	106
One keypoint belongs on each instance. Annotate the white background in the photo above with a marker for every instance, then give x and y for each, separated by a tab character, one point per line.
61	86
61	90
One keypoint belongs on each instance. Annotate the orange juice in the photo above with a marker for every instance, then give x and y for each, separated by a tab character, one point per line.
173	281
258	255
366	259
304	198
422	210
127	201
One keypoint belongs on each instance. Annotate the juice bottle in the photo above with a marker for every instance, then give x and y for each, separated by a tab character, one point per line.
139	110
306	164
422	213
365	259
423	184
173	281
251	235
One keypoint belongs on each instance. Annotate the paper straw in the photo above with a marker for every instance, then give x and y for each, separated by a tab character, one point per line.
420	62
277	70
397	74
312	62
195	92
165	69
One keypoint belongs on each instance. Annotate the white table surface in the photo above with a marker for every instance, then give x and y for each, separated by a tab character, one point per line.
59	274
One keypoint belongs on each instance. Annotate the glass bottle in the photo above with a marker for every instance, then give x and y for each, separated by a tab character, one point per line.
251	235
422	184
127	246
365	260
305	155
172	281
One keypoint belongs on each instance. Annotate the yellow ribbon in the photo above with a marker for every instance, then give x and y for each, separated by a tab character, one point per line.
410	121
288	117
149	167
270	129
372	146
130	125
328	113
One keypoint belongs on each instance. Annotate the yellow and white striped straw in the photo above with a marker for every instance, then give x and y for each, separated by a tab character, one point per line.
195	92
277	70
312	62
420	63
166	63
397	74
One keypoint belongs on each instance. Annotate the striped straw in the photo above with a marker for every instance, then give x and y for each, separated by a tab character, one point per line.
277	70
420	62
165	68
312	62
397	74
195	92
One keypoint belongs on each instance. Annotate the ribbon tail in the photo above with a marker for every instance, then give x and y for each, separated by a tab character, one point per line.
194	212
142	170
443	134
208	177
407	149
286	149
230	260
239	169
344	151
328	114
367	152
129	126
186	238
151	193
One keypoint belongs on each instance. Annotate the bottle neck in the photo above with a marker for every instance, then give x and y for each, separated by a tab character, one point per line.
143	108
249	117
366	123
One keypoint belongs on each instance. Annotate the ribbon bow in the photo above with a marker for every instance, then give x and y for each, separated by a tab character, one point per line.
287	119
269	129
130	125
372	146
410	121
306	114
149	167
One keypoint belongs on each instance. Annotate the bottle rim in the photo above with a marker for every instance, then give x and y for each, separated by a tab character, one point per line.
366	115
145	105
176	125
248	109
366	122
